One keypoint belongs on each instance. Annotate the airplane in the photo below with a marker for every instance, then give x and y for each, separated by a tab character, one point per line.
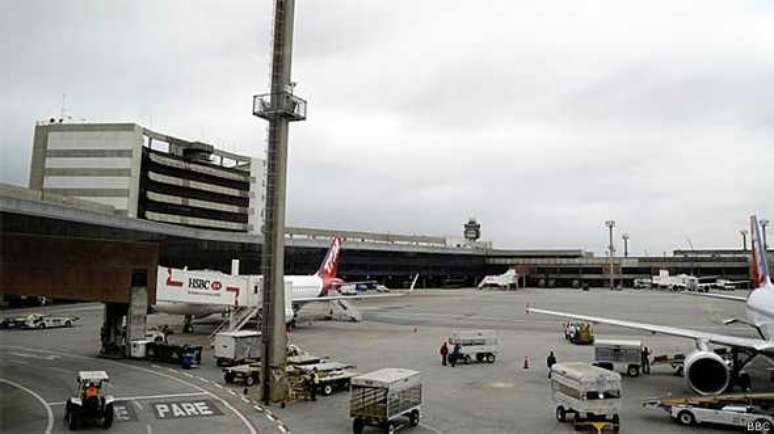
315	288
706	372
507	280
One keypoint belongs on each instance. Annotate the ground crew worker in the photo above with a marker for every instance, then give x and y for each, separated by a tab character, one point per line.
315	381
550	361
455	355
645	360
444	353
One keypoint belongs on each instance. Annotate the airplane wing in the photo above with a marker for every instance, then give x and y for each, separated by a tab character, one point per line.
718	296
732	341
356	297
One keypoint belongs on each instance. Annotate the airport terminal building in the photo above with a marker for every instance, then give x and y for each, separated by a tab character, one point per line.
148	175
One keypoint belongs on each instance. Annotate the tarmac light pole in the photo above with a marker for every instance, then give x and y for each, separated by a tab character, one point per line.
610	225
743	232
765	223
278	107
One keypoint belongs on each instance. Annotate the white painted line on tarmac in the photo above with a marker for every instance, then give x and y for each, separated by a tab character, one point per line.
270	417
218	385
250	428
258	407
188	375
49	413
245	400
282	429
232	392
146	397
137	404
148	429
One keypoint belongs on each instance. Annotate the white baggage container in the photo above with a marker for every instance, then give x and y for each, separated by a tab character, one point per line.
382	398
138	348
237	347
586	392
483	345
614	354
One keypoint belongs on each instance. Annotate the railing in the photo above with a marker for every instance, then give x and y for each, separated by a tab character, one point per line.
276	105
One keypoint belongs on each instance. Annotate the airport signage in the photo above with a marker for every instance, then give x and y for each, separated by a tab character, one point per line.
201	287
185	409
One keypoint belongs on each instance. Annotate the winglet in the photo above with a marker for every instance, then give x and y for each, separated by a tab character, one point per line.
759	267
413	283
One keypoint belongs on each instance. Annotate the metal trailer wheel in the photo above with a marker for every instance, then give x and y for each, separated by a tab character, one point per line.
108	421
228	377
686	418
389	428
327	389
414	417
561	415
249	380
490	358
68	323
357	426
633	371
72	420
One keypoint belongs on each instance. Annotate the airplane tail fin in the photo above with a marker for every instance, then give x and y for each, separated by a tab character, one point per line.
330	265
759	267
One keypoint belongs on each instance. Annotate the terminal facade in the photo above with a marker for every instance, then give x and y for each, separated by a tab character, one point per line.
148	175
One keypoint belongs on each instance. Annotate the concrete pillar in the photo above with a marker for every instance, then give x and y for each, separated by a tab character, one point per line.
112	333
137	313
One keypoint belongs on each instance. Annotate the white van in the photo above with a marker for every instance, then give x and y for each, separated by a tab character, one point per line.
586	392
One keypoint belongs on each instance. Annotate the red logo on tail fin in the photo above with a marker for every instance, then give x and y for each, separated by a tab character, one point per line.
330	265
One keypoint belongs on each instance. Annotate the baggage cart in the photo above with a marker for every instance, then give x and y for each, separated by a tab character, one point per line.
236	347
385	399
612	354
585	392
332	376
749	411
481	345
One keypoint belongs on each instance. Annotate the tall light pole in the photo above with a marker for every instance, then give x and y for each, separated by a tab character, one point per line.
279	108
743	232
610	225
626	245
765	223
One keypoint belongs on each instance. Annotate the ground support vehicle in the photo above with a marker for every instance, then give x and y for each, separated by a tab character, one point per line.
585	393
249	374
749	411
237	347
171	353
481	345
612	354
579	333
332	376
676	361
91	405
385	398
38	321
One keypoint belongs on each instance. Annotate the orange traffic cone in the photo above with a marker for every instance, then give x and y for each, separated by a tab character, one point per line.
526	362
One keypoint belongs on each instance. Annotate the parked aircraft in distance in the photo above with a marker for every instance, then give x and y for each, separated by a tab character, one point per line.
507	280
707	372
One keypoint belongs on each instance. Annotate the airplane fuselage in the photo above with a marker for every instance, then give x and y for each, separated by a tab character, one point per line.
303	287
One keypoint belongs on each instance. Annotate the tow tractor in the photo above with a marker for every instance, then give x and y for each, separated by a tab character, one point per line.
92	405
749	411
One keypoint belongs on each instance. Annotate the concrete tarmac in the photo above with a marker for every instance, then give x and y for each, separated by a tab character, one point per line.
398	332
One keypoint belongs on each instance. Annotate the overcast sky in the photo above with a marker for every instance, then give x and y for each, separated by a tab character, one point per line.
542	119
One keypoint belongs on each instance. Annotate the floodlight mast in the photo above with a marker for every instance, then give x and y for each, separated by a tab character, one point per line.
610	225
279	108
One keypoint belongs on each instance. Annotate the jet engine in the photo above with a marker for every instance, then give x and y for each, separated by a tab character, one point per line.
707	373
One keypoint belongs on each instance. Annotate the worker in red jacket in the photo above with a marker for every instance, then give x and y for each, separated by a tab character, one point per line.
444	353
